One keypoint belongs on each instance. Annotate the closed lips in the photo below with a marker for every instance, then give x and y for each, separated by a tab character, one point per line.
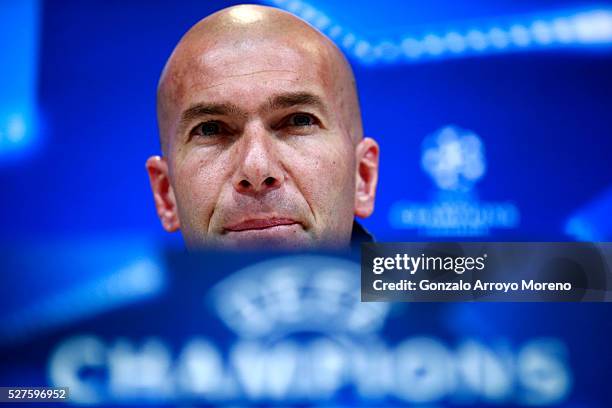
257	224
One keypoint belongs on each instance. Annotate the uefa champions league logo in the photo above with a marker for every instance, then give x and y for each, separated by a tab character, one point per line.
304	336
455	160
299	333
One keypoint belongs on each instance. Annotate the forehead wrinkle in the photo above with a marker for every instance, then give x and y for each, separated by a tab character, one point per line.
291	99
253	73
225	83
260	72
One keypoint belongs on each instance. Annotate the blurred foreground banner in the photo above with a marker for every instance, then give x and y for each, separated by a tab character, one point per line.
167	328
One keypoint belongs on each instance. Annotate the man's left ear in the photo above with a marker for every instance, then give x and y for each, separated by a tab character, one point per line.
367	153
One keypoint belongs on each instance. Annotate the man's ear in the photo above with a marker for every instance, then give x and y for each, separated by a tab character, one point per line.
165	202
367	153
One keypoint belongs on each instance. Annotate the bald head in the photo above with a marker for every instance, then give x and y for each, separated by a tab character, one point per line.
261	135
242	30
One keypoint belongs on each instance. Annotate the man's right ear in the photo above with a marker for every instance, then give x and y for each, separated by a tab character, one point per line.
165	202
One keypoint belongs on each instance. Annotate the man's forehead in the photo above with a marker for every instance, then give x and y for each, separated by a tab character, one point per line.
239	68
248	53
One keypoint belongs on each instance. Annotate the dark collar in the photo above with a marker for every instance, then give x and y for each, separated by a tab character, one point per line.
360	235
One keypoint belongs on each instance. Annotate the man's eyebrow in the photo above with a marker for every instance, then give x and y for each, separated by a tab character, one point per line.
203	109
280	101
288	100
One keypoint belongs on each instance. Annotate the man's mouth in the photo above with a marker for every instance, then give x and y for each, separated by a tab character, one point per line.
260	224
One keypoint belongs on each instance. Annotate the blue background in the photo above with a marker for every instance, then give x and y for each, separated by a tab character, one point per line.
542	113
81	79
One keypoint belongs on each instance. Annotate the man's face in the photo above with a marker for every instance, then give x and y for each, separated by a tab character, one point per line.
259	151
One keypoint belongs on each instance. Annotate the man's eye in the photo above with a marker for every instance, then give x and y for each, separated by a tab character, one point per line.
301	119
208	129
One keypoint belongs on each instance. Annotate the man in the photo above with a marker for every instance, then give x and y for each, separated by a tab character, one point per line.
261	136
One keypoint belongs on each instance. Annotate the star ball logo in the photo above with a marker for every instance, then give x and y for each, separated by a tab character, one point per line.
455	160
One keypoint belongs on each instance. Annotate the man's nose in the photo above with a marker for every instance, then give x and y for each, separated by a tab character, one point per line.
259	169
